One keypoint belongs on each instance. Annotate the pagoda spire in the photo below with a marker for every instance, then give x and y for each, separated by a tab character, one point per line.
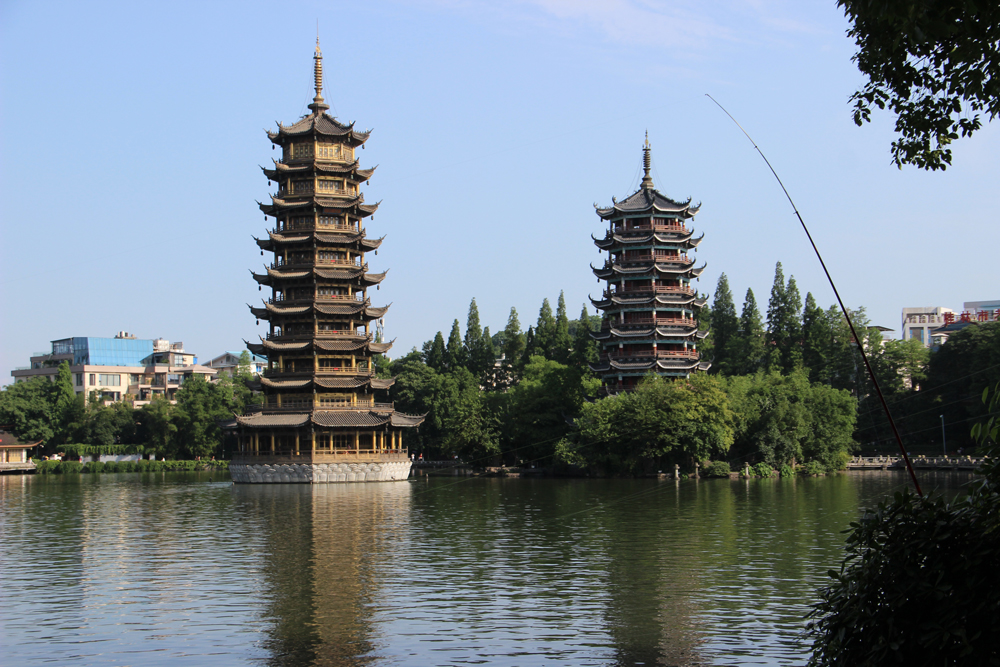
318	105
647	180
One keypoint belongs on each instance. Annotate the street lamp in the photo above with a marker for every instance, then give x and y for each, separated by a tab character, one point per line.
944	446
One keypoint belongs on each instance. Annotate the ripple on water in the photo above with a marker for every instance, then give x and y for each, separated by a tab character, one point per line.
157	569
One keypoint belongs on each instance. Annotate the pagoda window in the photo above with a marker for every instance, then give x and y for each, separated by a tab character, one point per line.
330	185
331	220
302	186
327	256
303	149
301	222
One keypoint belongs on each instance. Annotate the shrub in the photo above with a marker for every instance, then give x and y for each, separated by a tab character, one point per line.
111	466
70	467
142	465
715	469
47	467
762	470
813	468
786	470
126	466
919	586
94	466
155	466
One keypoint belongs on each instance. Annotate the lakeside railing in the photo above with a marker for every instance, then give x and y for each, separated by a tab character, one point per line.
919	462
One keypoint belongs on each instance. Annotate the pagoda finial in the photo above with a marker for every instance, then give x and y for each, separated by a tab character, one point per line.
318	105
647	180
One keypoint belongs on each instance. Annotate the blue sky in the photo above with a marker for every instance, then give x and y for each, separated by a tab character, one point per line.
132	134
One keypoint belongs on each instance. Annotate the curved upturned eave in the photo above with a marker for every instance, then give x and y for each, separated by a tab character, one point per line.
320	124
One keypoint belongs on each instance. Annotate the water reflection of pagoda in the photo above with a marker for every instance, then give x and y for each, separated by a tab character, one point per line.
649	307
320	421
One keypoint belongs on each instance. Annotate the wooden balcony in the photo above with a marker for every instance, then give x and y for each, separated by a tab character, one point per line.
651	289
649	257
292	405
653	228
650	354
658	321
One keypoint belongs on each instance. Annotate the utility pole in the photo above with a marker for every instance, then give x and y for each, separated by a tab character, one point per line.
944	446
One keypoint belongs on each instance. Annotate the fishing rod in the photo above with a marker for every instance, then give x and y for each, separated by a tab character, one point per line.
847	315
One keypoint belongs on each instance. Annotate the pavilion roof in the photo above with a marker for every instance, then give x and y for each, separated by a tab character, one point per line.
319	125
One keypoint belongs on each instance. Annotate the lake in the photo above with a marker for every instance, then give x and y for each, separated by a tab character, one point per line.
161	569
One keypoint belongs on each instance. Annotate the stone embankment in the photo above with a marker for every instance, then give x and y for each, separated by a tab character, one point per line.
319	473
966	463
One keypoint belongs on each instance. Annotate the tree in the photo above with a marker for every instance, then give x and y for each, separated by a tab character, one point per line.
784	328
934	64
454	355
473	330
157	427
28	407
748	345
513	340
662	422
200	407
584	345
562	344
725	325
545	332
816	334
434	352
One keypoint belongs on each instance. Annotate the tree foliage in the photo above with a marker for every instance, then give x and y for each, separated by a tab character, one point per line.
934	63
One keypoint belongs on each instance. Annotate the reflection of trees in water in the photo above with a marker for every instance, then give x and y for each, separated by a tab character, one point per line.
325	545
653	574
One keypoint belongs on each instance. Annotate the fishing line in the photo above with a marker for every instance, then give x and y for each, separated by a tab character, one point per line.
843	308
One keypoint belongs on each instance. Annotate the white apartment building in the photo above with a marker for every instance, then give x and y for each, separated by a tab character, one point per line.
920	322
118	367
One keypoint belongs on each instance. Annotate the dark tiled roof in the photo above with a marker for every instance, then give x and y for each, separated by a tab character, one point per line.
382	383
648	199
261	420
349	418
341	274
340	345
403	420
285	384
342	383
324	124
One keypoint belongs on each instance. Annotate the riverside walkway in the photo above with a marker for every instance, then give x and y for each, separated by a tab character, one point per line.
919	463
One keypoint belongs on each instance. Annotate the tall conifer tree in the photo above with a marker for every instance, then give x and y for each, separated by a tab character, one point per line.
775	320
434	353
749	344
584	346
725	325
473	331
816	334
791	353
545	331
513	339
455	350
561	343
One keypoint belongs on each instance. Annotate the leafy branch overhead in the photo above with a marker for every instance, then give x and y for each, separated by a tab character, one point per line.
934	63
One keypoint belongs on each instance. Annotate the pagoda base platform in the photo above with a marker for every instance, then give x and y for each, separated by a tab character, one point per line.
320	468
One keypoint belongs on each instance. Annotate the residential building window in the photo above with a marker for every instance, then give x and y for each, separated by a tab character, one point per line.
110	380
93	379
79	379
173	378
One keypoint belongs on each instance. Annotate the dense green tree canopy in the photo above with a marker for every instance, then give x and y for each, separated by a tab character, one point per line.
934	63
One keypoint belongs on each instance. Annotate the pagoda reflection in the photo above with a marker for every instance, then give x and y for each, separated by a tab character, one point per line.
326	548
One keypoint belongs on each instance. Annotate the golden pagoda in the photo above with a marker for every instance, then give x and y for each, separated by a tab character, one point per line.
321	420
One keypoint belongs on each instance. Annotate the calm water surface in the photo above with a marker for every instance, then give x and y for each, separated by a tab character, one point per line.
187	568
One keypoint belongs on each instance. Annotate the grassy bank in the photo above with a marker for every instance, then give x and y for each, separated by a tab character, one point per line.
75	467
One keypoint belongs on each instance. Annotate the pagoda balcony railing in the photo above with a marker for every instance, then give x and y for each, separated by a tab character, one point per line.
299	336
340	297
653	321
343	370
317	226
650	354
323	370
654	289
653	228
310	261
323	404
648	257
340	262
